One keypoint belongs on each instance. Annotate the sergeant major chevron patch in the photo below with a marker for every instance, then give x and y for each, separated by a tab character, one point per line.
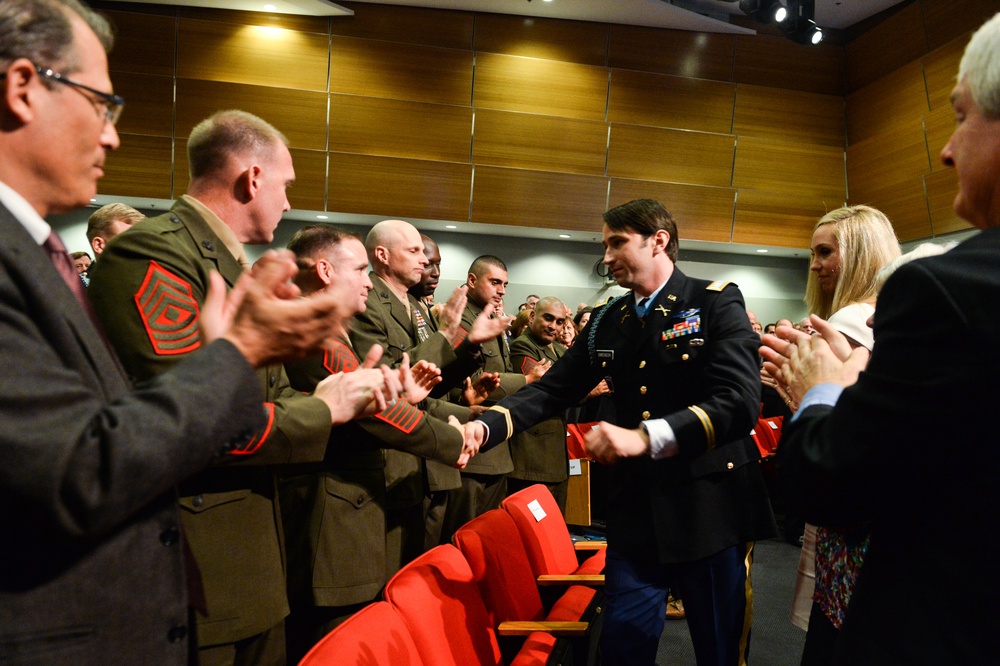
169	312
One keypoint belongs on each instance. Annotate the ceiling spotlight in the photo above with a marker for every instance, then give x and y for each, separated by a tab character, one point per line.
780	13
800	25
761	10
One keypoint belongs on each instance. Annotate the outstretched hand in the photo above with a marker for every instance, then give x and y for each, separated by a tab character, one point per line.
417	381
450	316
476	392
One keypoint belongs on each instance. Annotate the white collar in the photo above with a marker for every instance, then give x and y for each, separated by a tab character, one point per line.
24	213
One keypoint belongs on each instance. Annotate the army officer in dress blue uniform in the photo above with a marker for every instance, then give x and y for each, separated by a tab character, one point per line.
686	498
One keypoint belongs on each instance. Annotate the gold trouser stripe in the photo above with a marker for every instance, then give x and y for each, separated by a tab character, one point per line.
506	416
748	612
706	423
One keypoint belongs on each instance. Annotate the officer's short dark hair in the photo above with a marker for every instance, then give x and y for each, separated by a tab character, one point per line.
480	263
644	217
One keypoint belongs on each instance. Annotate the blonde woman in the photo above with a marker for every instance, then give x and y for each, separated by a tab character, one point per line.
849	246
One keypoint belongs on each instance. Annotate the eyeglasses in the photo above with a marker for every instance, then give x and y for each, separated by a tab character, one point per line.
108	105
113	104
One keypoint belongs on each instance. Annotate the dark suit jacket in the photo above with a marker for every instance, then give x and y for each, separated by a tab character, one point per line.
91	570
334	512
230	512
539	453
912	447
693	361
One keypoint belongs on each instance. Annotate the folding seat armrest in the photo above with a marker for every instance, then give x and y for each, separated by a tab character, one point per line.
571	579
590	545
526	627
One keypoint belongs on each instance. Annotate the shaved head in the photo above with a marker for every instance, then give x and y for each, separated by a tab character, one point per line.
396	252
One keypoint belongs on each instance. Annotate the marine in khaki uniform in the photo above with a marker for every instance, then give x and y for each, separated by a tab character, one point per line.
484	480
334	512
539	453
147	293
393	320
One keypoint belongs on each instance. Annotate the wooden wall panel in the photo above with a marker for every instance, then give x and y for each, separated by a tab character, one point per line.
252	54
942	186
309	190
139	168
763	60
144	43
400	71
149	102
945	20
374	126
897	155
701	213
886	47
545	143
941	70
789	115
523	198
776	166
550	39
649	153
904	202
294	22
696	55
547	87
938	126
298	114
398	187
409	25
639	98
781	219
892	100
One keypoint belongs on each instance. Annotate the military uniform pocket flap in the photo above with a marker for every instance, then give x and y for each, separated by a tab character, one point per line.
354	494
205	501
721	459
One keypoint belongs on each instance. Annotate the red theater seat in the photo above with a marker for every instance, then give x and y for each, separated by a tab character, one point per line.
374	636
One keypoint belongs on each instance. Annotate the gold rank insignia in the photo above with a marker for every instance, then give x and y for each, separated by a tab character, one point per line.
718	285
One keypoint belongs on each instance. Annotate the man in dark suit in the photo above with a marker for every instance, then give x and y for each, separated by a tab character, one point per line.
149	284
93	568
910	445
686	499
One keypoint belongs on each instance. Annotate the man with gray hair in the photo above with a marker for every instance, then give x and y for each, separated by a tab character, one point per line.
150	285
107	222
93	571
906	442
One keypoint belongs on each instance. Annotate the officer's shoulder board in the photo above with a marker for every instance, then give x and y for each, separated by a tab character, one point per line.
718	285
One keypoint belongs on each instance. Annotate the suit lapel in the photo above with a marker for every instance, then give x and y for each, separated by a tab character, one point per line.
43	285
